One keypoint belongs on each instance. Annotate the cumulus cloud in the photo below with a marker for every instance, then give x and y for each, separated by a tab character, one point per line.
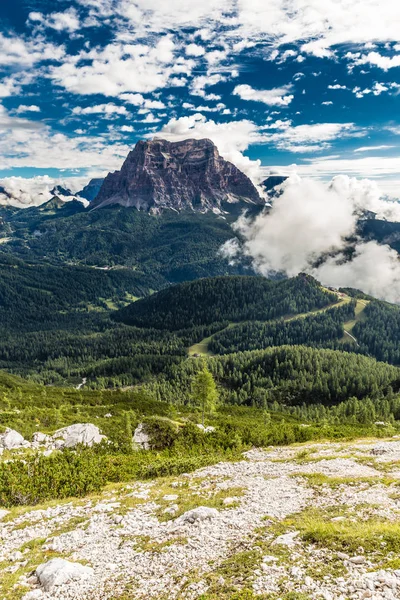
375	59
24	108
67	20
274	97
308	229
9	87
195	50
26	143
119	68
17	52
139	100
105	109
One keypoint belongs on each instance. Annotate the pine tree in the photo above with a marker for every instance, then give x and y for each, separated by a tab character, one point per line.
204	392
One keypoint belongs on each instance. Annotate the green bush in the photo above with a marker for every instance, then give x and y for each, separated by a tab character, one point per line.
162	432
42	478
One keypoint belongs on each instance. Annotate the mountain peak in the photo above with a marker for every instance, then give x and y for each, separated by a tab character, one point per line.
190	174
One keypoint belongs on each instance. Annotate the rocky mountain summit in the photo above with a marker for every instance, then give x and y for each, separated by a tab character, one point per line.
191	174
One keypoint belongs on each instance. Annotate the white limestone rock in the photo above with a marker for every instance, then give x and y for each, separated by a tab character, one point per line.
59	572
140	438
171	510
170	497
11	439
34	595
201	513
208	429
40	438
80	433
287	539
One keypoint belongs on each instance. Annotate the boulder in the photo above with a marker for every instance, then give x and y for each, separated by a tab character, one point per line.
202	513
11	439
34	595
140	438
59	572
287	539
40	438
208	429
80	433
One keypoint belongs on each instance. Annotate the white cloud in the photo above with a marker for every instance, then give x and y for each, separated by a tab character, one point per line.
195	50
220	107
9	87
374	269
199	84
337	86
376	89
67	20
373	148
375	59
374	167
119	68
104	109
16	52
306	230
305	138
150	118
24	108
139	100
26	143
274	97
23	192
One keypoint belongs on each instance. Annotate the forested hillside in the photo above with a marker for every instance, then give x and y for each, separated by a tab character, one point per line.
288	375
164	248
315	330
379	333
226	299
44	296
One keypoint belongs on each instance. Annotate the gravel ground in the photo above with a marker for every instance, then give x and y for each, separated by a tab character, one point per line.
144	540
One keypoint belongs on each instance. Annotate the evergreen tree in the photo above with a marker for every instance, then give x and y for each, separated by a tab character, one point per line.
205	392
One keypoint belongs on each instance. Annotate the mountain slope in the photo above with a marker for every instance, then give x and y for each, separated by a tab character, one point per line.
171	246
210	300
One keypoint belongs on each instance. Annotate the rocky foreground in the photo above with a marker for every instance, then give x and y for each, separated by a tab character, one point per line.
301	522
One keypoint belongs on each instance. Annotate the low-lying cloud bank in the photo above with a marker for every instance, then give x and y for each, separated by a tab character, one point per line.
24	192
308	229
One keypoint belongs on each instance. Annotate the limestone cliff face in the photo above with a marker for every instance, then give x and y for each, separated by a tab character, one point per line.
178	175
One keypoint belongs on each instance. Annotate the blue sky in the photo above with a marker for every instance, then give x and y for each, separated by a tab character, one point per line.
301	86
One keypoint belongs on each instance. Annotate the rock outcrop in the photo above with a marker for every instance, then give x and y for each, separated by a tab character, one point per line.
11	439
273	181
90	191
141	438
59	572
80	433
191	174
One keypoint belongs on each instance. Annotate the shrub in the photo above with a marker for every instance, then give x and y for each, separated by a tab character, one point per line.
162	432
42	478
